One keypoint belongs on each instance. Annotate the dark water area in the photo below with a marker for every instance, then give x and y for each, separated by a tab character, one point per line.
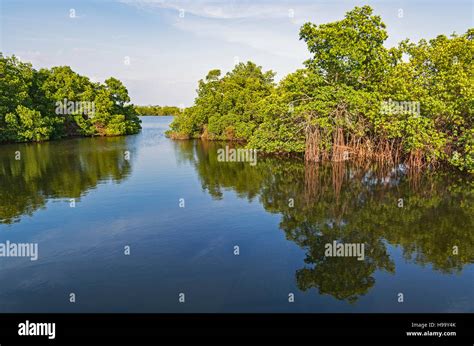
85	200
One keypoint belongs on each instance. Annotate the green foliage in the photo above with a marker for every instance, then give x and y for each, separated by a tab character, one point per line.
16	79
57	102
28	125
440	75
157	110
226	107
349	51
346	82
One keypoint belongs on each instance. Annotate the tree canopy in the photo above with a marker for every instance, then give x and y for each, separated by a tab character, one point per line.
226	107
58	102
354	98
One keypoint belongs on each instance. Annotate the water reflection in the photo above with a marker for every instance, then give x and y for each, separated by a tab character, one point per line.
429	215
316	204
33	173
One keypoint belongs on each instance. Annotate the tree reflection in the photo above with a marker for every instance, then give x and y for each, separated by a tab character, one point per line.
65	169
351	204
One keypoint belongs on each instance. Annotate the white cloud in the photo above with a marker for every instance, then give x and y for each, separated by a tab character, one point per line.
272	39
230	9
267	26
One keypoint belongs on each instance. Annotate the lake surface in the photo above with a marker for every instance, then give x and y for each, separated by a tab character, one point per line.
86	201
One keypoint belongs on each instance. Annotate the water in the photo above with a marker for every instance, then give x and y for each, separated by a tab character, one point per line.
279	213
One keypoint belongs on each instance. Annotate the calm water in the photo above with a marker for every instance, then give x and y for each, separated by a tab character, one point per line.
279	213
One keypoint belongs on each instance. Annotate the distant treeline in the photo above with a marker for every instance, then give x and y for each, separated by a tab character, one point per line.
158	110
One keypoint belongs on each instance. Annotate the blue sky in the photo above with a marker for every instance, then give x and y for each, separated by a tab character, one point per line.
171	44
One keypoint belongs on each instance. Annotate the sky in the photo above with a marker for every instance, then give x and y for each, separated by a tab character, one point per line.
160	48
